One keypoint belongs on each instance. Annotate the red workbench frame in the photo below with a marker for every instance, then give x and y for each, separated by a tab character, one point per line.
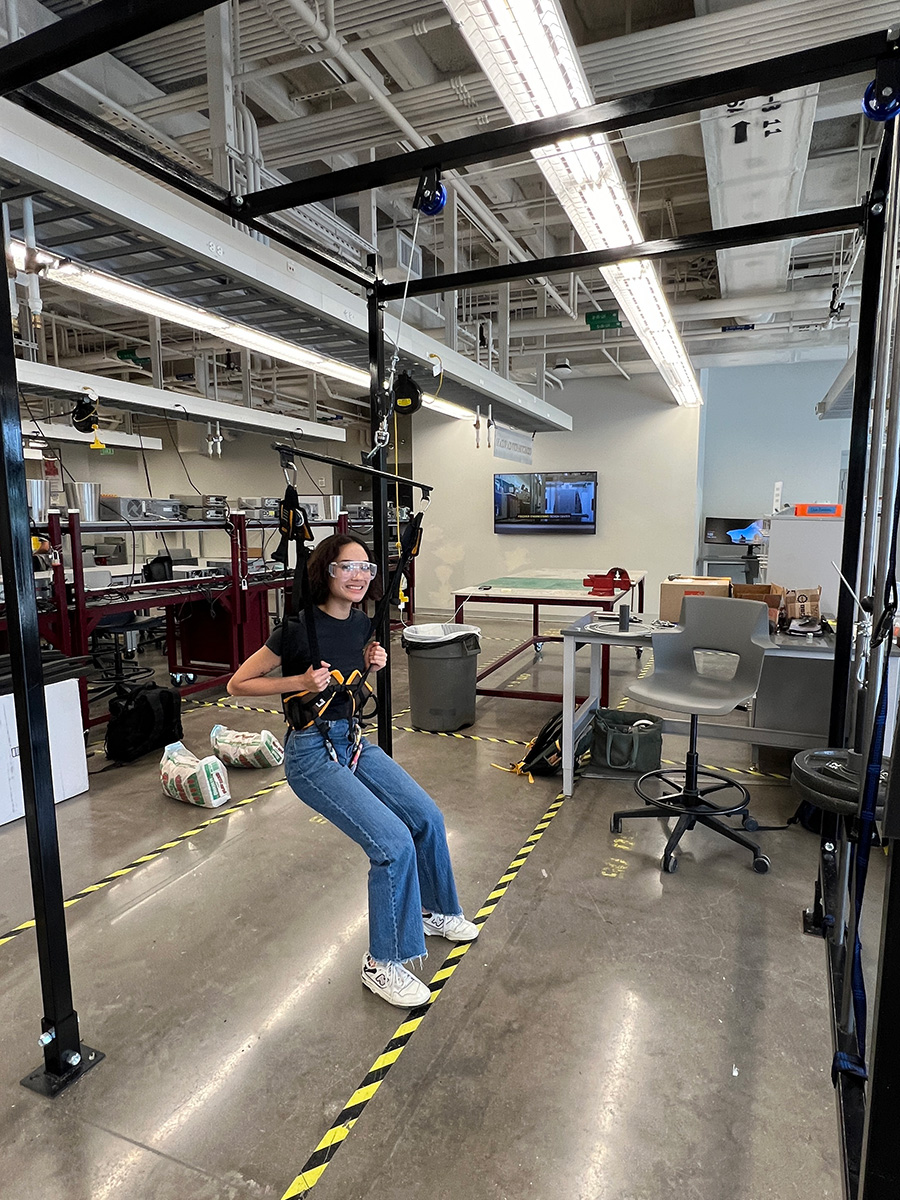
77	611
547	599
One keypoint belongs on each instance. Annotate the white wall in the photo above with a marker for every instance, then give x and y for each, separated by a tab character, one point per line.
758	426
644	450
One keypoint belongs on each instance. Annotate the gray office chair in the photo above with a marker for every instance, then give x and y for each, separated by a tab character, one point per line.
708	687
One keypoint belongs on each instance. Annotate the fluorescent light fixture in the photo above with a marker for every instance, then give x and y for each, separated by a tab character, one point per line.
140	299
525	49
447	408
65	433
71	274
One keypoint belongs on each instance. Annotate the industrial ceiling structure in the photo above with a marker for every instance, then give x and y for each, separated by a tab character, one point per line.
258	93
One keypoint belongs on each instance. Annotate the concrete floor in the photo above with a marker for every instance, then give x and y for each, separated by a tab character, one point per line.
615	1034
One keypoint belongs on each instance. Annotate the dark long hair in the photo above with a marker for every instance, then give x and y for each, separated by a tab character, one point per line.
324	554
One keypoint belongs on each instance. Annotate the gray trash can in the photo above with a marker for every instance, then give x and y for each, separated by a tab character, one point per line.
443	664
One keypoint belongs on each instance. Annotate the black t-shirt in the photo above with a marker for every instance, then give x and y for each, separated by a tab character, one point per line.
341	645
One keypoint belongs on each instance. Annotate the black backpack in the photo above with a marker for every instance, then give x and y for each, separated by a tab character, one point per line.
543	755
144	717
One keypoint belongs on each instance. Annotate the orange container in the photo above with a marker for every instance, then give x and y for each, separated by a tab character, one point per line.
818	510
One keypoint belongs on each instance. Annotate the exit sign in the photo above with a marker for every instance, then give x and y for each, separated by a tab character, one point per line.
107	450
608	319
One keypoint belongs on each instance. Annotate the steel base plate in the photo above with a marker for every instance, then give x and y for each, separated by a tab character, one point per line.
45	1084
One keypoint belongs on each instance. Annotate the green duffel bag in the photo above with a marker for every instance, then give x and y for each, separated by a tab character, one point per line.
626	741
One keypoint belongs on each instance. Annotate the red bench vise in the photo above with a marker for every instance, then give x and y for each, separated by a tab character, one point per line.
614	580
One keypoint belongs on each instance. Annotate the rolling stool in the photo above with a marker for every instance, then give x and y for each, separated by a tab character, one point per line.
739	629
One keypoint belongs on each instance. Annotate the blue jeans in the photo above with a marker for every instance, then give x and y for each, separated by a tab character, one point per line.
396	823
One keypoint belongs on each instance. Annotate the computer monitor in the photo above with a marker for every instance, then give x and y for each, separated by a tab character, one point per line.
733	531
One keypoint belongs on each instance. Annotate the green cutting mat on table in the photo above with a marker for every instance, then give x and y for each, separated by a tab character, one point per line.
538	585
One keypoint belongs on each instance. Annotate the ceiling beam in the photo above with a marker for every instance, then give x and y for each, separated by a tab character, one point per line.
804	67
85	34
119	144
807	225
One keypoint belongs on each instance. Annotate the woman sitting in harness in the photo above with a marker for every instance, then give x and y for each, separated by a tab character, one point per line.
350	781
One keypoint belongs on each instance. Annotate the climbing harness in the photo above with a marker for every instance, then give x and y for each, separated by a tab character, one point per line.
304	709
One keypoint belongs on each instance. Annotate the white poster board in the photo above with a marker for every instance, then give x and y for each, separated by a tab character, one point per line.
67	754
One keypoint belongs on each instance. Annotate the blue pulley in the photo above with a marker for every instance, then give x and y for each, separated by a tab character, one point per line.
434	203
878	109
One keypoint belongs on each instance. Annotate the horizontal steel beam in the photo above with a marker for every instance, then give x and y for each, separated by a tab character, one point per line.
102	136
359	468
833	61
807	225
95	30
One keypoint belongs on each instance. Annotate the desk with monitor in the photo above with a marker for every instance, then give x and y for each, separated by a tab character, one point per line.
732	542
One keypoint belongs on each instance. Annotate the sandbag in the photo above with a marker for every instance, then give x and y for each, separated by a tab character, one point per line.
186	777
236	749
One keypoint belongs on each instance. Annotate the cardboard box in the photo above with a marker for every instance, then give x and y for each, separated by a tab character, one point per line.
671	592
803	605
771	594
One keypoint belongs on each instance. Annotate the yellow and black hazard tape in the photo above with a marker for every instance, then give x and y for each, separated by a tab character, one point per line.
274	712
314	1166
470	737
751	772
149	857
645	670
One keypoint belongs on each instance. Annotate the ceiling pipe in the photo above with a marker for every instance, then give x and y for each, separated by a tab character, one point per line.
772	332
339	51
368	43
699	310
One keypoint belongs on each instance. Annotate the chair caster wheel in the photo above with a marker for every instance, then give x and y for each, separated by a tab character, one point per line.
750	824
670	864
615	825
761	864
190	677
539	647
128	654
176	679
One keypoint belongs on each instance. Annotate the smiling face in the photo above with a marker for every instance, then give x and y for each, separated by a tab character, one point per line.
350	585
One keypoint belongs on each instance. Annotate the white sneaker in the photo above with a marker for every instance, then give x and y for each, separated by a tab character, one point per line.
454	929
392	982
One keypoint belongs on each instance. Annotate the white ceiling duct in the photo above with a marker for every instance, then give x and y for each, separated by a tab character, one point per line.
838	400
134	397
756	154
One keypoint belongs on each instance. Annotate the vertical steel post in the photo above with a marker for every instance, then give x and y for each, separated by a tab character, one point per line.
379	406
870	296
63	1052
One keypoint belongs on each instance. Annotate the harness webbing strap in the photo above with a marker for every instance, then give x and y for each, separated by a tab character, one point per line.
410	544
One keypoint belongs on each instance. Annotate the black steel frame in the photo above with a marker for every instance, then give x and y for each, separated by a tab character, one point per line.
378	411
807	225
122	145
834	61
111	22
65	1059
95	30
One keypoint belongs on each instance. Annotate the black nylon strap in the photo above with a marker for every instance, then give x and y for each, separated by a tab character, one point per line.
409	548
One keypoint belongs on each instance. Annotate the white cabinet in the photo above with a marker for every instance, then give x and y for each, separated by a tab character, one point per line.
67	755
801	551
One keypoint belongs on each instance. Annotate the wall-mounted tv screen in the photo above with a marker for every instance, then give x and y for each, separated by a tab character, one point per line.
545	501
733	531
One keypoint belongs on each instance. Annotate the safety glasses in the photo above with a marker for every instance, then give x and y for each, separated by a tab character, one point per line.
347	568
